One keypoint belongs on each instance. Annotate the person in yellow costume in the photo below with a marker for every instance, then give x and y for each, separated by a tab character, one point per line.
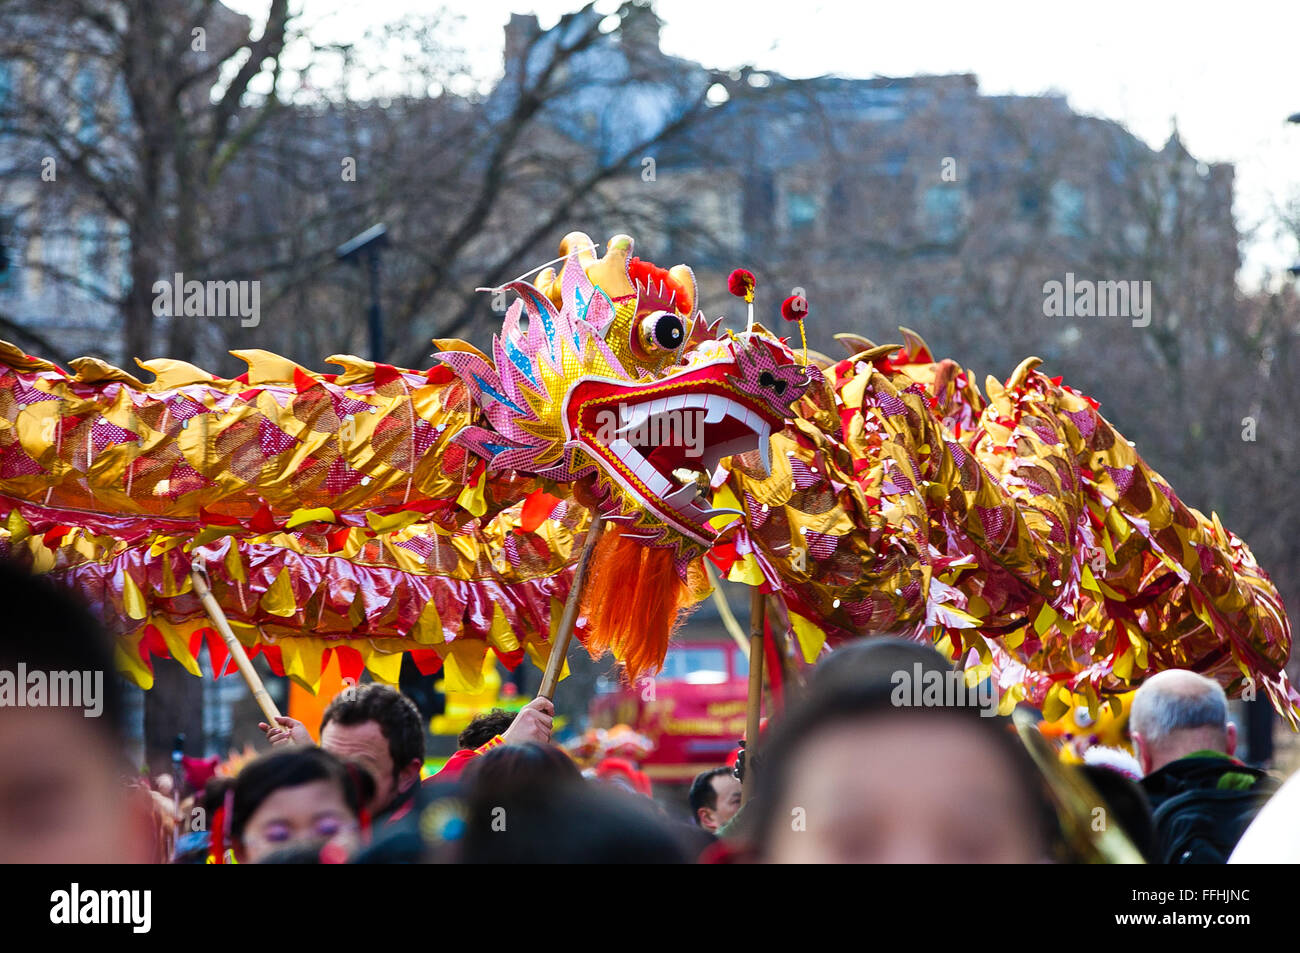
1077	730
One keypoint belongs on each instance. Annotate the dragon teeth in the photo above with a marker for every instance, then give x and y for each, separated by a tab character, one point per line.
765	447
720	511
654	481
719	407
683	497
638	415
716	408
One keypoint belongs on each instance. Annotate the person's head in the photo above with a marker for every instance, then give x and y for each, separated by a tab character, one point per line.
204	810
484	728
315	851
625	775
508	768
302	795
872	658
850	776
1123	800
214	794
378	727
573	823
62	798
714	798
1177	712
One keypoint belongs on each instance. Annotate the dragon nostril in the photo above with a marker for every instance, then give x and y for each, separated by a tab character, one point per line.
770	380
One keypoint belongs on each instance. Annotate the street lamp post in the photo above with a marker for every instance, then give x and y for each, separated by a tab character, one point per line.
367	246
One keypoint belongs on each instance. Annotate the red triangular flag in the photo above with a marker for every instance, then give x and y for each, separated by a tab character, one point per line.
386	374
303	381
536	509
263	521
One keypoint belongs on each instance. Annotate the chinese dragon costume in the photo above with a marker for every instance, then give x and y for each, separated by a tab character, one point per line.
378	511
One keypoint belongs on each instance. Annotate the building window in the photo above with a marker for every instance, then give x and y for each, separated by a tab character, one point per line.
6	91
7	263
1031	200
758	214
117	266
943	307
942	209
88	127
800	211
1068	206
90	254
35	277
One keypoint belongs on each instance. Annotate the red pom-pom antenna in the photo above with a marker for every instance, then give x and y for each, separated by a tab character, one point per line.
741	284
795	308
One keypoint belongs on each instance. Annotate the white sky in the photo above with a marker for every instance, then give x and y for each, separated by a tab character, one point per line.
1229	73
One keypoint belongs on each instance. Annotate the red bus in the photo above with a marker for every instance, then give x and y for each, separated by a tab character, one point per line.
694	710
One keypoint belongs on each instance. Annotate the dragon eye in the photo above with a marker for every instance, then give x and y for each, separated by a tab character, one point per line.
661	331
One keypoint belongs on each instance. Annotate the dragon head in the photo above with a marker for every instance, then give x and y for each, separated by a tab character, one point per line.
616	380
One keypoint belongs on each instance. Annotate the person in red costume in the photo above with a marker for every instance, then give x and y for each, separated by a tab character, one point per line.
622	773
377	726
533	723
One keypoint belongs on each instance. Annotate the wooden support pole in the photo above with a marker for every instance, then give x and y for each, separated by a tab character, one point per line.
754	704
560	647
237	652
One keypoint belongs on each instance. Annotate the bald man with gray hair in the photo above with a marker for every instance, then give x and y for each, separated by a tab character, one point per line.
1202	798
1176	713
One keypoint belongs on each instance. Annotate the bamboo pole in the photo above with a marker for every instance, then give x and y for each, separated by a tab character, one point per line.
754	704
792	680
724	610
560	647
237	652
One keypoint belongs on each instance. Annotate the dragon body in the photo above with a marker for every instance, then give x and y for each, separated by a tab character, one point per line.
379	511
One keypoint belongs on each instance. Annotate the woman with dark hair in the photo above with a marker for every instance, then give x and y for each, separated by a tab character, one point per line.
302	795
520	767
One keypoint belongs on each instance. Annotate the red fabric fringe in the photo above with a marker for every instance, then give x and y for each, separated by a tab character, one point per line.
632	601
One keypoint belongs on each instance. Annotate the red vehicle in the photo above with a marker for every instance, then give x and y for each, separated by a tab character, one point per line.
694	710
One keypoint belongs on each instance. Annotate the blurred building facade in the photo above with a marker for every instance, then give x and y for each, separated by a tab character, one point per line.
888	200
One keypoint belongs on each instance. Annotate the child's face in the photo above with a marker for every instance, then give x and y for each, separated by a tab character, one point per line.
315	811
899	789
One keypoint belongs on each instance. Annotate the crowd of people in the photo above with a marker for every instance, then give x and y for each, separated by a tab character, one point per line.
843	774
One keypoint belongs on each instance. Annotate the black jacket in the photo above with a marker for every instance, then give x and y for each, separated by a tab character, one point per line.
1202	804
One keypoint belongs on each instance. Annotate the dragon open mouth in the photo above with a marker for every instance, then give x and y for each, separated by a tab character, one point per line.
663	441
